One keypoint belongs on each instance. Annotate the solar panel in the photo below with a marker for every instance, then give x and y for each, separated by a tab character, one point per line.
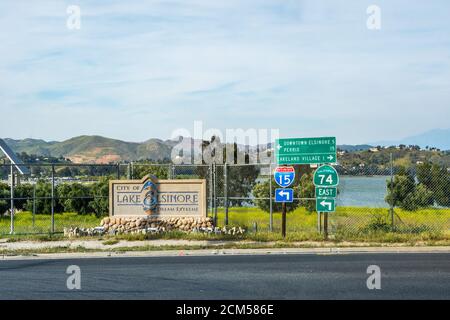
13	158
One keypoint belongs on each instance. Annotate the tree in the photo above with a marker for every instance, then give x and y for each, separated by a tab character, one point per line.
72	197
307	190
43	201
404	193
4	194
21	193
100	192
143	169
240	182
437	180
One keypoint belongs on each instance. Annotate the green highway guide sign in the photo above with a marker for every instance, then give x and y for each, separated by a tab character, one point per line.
325	205
305	150
326	192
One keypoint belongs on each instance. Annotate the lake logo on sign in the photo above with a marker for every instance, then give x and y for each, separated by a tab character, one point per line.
150	201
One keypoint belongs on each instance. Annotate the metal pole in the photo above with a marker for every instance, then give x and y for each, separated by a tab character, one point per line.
129	172
270	199
34	203
319	222
225	191
211	190
325	225
283	220
391	209
12	200
214	195
53	199
118	171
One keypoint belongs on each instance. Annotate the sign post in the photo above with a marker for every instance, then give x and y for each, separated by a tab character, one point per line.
284	177
326	180
309	151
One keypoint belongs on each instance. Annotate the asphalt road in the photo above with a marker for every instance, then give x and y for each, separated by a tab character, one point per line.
288	276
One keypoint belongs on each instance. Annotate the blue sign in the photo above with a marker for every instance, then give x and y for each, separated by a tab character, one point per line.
284	195
284	176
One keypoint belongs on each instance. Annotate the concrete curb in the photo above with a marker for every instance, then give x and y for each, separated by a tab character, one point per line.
230	252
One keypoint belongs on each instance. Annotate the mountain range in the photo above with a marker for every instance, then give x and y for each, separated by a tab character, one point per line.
437	138
97	149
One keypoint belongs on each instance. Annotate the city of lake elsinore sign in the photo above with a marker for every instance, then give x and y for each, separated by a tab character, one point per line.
305	150
158	198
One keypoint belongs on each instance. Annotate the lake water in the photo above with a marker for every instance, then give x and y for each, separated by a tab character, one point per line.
363	191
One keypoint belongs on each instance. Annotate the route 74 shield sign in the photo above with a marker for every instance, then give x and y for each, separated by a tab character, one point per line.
284	176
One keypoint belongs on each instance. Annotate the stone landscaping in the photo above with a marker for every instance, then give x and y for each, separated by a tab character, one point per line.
144	225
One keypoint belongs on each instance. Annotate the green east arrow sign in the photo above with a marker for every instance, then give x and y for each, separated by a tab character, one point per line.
326	192
326	176
325	205
305	150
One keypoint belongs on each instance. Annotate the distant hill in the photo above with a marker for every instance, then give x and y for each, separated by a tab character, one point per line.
30	146
95	149
438	138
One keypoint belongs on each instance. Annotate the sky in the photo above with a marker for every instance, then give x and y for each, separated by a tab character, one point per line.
137	70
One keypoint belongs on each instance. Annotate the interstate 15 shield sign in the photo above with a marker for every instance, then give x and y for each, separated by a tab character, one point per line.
284	176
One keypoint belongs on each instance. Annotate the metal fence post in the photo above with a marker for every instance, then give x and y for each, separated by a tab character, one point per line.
53	199
34	204
391	205
270	199
214	194
132	170
225	191
11	231
211	190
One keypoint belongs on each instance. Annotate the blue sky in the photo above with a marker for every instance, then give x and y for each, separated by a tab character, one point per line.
142	69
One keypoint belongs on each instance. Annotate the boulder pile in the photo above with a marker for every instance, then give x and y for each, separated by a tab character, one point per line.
144	225
136	224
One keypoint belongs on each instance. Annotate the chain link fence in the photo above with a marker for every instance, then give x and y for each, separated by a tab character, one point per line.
369	199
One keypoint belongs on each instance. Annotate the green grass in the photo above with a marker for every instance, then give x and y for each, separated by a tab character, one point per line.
345	218
347	223
23	222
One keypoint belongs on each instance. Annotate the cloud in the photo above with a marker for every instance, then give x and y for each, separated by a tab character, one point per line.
141	69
